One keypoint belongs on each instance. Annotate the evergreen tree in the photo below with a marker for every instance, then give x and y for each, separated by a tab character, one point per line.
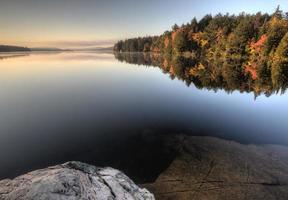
278	13
280	64
193	26
276	31
175	27
203	23
180	42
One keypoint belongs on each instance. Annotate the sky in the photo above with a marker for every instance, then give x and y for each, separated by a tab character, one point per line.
92	23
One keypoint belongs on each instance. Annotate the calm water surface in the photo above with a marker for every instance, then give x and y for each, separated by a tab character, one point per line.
56	107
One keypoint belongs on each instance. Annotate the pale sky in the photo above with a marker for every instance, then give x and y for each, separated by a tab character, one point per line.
89	23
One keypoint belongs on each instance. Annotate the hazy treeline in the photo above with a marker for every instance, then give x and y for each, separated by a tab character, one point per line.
240	46
6	48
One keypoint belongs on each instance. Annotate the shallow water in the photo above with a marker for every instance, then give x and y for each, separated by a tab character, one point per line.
86	106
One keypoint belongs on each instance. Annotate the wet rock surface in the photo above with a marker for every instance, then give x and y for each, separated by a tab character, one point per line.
209	169
72	180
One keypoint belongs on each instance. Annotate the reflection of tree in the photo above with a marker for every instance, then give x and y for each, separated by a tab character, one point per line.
209	75
7	56
280	64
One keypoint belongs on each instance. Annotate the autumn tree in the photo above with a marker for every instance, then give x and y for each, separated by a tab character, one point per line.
280	64
275	30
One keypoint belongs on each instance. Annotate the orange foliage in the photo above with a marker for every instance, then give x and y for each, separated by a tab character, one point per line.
257	46
251	69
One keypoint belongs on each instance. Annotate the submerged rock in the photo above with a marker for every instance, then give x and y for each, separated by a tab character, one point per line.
71	181
208	168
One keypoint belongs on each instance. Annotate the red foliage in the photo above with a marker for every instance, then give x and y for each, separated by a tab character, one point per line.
259	44
251	69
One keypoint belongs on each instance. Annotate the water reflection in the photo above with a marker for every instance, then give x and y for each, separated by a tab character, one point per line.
92	108
211	76
12	55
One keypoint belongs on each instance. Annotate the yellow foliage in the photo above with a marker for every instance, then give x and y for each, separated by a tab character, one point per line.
201	66
195	70
203	43
198	37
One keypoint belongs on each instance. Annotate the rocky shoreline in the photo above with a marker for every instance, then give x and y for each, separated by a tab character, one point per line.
210	168
72	181
204	168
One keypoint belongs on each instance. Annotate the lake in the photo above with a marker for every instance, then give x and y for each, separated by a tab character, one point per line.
91	107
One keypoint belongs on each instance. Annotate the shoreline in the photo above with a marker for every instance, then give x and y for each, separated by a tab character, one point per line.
206	167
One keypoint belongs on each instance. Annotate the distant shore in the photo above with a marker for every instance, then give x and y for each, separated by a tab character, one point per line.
15	49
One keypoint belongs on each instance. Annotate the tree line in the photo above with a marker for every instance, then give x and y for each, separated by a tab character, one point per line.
7	48
246	45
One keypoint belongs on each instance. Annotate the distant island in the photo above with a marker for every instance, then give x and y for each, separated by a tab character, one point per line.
251	48
7	48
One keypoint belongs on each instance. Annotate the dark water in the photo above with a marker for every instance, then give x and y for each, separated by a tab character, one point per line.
93	108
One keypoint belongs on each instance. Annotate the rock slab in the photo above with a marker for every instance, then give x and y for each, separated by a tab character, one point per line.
209	168
73	181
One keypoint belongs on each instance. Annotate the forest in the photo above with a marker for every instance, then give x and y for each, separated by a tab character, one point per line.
242	47
6	48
